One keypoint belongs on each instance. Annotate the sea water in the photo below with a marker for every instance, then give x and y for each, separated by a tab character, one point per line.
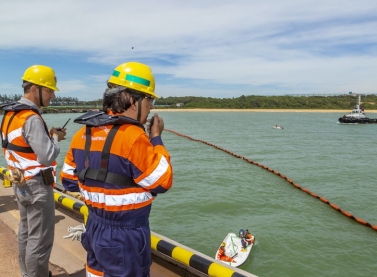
215	193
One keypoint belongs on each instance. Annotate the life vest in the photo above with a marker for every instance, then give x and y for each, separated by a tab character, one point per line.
17	152
221	253
249	238
221	256
105	163
96	119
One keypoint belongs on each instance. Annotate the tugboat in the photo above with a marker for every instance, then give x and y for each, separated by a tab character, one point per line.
357	116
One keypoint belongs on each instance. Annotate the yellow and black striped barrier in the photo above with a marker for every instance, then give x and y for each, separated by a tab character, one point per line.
5	172
193	260
71	204
165	246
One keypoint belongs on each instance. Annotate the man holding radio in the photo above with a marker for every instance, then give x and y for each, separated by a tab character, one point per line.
30	150
119	169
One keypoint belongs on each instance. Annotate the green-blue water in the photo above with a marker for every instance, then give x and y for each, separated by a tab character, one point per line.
296	235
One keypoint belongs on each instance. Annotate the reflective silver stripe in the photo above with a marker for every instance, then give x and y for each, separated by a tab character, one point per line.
112	200
67	169
88	274
15	134
22	163
160	170
30	167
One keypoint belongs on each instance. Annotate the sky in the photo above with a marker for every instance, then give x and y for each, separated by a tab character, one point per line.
213	48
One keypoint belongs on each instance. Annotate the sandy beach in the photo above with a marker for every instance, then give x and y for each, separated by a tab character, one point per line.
260	110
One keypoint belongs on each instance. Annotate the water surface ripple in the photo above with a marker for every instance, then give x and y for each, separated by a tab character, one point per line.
296	234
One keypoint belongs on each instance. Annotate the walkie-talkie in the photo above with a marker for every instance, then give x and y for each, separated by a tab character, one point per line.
59	129
151	121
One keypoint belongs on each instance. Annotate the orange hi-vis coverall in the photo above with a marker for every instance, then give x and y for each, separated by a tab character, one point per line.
129	174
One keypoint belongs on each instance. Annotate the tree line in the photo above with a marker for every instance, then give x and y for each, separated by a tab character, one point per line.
340	102
368	102
57	101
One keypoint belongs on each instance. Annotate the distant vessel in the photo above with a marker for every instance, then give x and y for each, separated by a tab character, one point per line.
357	116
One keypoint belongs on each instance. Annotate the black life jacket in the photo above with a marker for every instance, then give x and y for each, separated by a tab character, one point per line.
95	119
17	107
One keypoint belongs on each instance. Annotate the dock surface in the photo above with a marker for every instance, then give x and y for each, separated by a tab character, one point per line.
67	257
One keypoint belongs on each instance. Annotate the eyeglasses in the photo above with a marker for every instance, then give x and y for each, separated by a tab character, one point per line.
151	100
49	90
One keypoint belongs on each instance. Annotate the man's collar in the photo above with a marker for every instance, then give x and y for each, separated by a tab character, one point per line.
26	101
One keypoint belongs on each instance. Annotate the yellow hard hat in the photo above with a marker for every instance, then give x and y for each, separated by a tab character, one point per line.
223	244
136	76
41	75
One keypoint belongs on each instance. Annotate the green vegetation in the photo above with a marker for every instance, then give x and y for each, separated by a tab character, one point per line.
341	102
57	101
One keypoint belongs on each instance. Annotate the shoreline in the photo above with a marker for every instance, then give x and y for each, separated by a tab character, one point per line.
259	110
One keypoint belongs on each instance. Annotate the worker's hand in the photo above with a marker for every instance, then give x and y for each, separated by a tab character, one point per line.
58	133
158	126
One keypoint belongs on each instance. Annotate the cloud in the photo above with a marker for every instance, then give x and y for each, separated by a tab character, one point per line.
206	48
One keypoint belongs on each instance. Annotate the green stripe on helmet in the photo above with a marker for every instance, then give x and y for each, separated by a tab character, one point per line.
116	73
141	81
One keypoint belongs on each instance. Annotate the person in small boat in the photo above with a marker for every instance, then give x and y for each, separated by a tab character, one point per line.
249	238
243	240
221	254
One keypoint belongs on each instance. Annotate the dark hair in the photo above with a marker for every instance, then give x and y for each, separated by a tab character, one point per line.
118	98
26	85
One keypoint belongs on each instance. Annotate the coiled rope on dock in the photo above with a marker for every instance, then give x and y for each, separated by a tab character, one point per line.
324	200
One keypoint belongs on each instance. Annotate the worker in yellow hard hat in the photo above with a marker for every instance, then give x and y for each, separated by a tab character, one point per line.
30	149
113	155
135	80
42	78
